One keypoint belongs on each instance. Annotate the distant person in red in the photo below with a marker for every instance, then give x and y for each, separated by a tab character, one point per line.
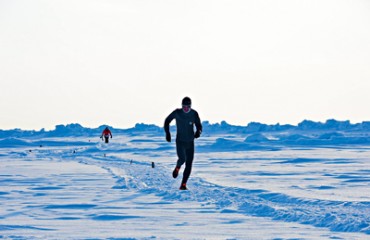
106	133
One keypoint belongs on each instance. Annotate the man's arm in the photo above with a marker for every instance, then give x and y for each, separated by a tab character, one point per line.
198	125
167	122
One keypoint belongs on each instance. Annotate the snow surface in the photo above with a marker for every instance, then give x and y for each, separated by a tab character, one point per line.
256	182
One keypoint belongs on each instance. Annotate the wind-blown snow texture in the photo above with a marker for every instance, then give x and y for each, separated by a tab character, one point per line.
309	181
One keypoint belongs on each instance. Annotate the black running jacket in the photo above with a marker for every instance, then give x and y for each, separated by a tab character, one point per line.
184	123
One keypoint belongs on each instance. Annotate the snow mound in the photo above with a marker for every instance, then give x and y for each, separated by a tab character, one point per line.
13	142
331	136
257	137
224	145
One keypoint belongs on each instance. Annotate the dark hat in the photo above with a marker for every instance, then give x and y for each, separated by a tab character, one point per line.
186	101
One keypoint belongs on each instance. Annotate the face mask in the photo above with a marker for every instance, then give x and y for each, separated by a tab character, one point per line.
186	108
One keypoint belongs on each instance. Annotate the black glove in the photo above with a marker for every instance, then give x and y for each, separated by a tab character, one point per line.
197	134
168	137
111	136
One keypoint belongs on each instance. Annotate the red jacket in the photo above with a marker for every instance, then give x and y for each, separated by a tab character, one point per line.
106	132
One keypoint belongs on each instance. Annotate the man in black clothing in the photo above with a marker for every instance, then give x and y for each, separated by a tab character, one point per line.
186	118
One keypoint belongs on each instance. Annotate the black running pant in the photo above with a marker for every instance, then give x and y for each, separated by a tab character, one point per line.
185	152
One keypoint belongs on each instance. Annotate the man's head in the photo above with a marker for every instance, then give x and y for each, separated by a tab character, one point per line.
186	104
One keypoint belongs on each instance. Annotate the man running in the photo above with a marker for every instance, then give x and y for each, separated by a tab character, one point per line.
186	118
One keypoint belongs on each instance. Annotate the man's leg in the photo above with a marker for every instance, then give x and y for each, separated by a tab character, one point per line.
181	154
189	161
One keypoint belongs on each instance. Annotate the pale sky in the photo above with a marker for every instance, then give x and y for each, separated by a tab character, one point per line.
117	62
